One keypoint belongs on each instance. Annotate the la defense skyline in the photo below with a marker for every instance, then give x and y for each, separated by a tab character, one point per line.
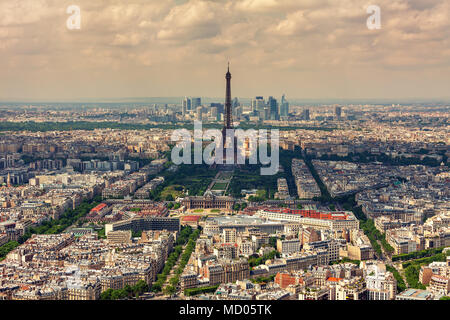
269	109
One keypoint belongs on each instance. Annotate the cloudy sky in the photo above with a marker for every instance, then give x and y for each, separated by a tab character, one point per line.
319	49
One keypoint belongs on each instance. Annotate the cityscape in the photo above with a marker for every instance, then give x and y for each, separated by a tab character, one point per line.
95	206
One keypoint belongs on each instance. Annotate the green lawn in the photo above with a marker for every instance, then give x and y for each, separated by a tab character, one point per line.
219	186
194	178
173	190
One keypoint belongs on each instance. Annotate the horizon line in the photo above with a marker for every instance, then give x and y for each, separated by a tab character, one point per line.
139	99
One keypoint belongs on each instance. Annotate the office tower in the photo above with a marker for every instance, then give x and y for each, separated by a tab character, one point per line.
236	103
253	106
266	114
338	112
199	113
284	107
187	103
183	109
219	106
306	114
258	104
238	112
273	108
214	112
196	102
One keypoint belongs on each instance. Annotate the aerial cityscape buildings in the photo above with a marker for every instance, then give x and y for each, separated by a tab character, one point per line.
94	204
360	210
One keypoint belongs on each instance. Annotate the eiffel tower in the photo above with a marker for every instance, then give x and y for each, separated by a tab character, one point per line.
228	125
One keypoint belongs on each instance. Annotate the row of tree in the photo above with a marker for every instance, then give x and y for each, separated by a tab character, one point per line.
52	226
184	259
374	236
440	256
127	292
7	247
69	217
195	291
162	277
412	277
417	254
401	286
183	238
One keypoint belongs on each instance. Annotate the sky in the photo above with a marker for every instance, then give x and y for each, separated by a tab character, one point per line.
310	49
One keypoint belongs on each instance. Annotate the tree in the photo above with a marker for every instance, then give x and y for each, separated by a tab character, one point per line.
157	286
106	295
273	242
195	291
169	290
174	281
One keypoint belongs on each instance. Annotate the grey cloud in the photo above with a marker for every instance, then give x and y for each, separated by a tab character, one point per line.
288	36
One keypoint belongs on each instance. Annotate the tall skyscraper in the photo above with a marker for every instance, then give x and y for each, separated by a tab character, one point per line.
338	111
284	107
214	113
236	103
187	103
258	104
238	112
219	106
306	114
273	108
199	111
265	113
196	102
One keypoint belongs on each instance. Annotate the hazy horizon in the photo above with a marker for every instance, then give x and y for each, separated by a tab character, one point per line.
245	100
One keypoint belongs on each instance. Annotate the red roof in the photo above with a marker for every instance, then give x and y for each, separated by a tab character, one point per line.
99	207
328	215
191	218
333	279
